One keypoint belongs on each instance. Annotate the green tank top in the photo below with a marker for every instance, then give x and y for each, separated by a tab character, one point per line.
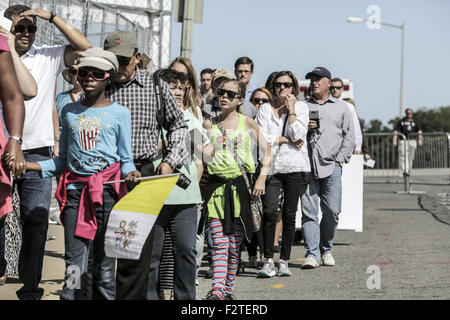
224	165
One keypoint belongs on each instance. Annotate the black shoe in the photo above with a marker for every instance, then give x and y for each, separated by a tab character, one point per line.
240	269
230	297
210	273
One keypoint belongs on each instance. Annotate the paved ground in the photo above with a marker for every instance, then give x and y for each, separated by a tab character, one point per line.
406	240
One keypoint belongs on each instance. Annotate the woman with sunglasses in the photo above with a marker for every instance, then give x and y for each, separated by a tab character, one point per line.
260	96
284	123
95	147
192	98
227	197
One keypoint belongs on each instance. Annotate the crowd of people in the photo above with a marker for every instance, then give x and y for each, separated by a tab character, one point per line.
235	145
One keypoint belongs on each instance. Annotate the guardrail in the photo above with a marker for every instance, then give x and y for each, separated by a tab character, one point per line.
411	161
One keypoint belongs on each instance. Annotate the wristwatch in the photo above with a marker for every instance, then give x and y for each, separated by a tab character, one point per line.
18	139
52	16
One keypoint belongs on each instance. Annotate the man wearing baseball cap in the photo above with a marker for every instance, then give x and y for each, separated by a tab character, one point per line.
330	142
133	88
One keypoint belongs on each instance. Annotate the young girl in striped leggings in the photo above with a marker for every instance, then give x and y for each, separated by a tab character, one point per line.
227	196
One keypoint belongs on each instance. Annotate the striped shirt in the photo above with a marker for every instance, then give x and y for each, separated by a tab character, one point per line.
139	97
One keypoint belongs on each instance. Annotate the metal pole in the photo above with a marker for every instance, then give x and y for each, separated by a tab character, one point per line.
402	70
188	28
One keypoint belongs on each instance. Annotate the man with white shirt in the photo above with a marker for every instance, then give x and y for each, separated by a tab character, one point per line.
336	89
45	64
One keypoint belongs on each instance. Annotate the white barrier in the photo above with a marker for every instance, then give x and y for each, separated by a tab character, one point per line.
351	216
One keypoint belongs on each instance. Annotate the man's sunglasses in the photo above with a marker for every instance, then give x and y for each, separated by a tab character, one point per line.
285	84
21	28
337	88
230	94
260	100
98	75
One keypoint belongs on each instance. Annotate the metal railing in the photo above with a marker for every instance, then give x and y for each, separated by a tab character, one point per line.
430	159
411	161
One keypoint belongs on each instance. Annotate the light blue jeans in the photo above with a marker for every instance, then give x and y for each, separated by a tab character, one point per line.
319	237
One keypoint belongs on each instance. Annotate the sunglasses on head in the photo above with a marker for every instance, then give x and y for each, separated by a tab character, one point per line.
21	28
230	94
98	75
260	100
285	84
337	88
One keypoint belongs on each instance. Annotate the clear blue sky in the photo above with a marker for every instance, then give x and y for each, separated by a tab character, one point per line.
299	35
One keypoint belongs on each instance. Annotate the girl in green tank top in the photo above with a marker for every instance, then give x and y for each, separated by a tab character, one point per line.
228	227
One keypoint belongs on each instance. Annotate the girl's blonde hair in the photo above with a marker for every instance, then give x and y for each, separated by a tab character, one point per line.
192	96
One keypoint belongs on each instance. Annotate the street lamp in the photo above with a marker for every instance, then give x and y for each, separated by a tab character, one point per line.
401	27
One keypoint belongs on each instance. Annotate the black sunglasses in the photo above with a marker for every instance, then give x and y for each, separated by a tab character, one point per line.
230	94
21	28
285	84
260	100
337	88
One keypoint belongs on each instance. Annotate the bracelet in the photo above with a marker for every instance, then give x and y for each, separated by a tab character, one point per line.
56	138
52	16
18	139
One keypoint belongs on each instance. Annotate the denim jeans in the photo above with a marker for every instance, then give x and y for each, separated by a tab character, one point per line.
293	185
77	253
319	238
182	221
35	197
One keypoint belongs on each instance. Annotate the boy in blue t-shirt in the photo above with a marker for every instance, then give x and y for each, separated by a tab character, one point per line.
95	146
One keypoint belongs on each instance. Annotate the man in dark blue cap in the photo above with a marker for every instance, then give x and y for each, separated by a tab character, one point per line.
330	144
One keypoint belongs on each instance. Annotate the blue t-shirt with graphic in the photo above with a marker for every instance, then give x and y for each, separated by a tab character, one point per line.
92	139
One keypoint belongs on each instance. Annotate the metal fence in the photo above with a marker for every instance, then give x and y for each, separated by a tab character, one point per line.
410	161
149	20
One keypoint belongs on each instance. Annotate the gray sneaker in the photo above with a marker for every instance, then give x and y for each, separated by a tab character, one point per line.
283	269
268	270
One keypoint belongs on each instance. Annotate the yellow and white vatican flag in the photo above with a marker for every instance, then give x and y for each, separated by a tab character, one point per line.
133	217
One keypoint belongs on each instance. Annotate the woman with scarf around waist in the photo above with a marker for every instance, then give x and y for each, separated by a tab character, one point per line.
95	147
227	197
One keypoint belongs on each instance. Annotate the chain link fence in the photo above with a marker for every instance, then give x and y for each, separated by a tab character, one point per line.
149	20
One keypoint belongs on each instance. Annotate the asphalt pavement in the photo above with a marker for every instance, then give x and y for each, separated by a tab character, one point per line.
402	253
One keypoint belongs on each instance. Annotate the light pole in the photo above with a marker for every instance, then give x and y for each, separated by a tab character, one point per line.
402	59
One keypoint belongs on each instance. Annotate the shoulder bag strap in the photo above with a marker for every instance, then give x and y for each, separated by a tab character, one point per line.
230	147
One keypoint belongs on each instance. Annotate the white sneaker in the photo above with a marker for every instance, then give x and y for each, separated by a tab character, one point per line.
328	260
283	269
310	263
268	270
